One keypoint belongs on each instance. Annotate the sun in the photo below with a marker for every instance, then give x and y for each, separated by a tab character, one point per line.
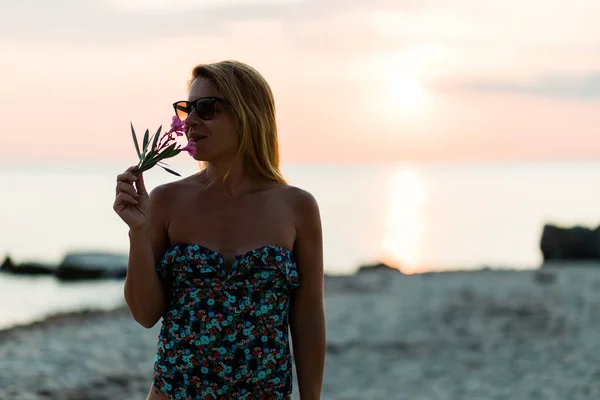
405	92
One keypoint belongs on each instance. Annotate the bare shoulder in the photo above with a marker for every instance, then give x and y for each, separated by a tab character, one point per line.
308	249
167	192
304	210
299	199
166	198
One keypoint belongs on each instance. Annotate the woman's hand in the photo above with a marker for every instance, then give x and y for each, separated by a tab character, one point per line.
132	203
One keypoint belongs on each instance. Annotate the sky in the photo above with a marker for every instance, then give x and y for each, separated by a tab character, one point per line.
354	81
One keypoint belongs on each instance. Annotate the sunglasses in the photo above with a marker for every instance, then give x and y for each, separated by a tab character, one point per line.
204	106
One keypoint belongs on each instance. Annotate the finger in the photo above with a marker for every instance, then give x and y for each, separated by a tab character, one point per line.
123	199
128	172
140	185
127	188
123	179
126	177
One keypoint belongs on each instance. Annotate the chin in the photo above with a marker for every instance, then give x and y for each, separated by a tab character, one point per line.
202	156
213	156
199	157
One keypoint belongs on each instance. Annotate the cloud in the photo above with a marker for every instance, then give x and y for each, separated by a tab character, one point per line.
565	86
469	41
466	25
169	6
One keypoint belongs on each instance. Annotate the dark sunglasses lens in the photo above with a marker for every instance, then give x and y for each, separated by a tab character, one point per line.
205	108
181	110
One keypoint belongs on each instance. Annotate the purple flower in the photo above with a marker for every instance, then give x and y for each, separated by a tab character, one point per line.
190	148
177	126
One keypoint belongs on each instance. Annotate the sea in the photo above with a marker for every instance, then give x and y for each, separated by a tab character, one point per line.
416	217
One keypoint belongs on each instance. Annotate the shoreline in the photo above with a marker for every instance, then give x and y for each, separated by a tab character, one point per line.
334	283
503	335
63	318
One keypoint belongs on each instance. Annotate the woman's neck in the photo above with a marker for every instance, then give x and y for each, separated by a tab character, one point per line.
234	177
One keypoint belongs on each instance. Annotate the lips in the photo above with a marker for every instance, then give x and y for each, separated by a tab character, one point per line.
195	138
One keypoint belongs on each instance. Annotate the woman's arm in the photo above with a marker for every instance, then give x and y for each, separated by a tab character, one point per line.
143	290
307	319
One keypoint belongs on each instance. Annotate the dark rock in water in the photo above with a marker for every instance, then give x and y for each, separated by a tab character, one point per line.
7	265
94	265
377	268
28	268
575	244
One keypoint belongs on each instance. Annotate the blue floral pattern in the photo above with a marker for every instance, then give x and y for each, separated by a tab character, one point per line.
225	333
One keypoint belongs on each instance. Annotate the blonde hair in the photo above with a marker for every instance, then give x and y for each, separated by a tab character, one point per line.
253	107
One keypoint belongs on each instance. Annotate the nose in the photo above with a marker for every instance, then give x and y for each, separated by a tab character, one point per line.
192	122
191	119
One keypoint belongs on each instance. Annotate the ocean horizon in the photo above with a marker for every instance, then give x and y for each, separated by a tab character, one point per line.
418	217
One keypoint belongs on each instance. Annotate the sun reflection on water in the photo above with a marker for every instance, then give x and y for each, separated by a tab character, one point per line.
404	224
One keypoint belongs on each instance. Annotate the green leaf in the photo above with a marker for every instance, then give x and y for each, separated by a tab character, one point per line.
175	152
168	152
160	156
172	150
150	164
142	168
153	158
169	170
148	157
135	142
146	146
145	141
151	154
155	142
147	161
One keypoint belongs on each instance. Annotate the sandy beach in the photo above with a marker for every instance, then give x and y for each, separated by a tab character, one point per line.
456	335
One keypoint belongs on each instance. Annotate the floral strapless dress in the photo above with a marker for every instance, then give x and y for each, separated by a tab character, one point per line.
225	333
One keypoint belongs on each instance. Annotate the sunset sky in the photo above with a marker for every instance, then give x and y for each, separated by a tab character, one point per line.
354	81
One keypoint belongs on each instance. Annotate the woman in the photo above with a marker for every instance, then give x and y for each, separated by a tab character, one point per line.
229	257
